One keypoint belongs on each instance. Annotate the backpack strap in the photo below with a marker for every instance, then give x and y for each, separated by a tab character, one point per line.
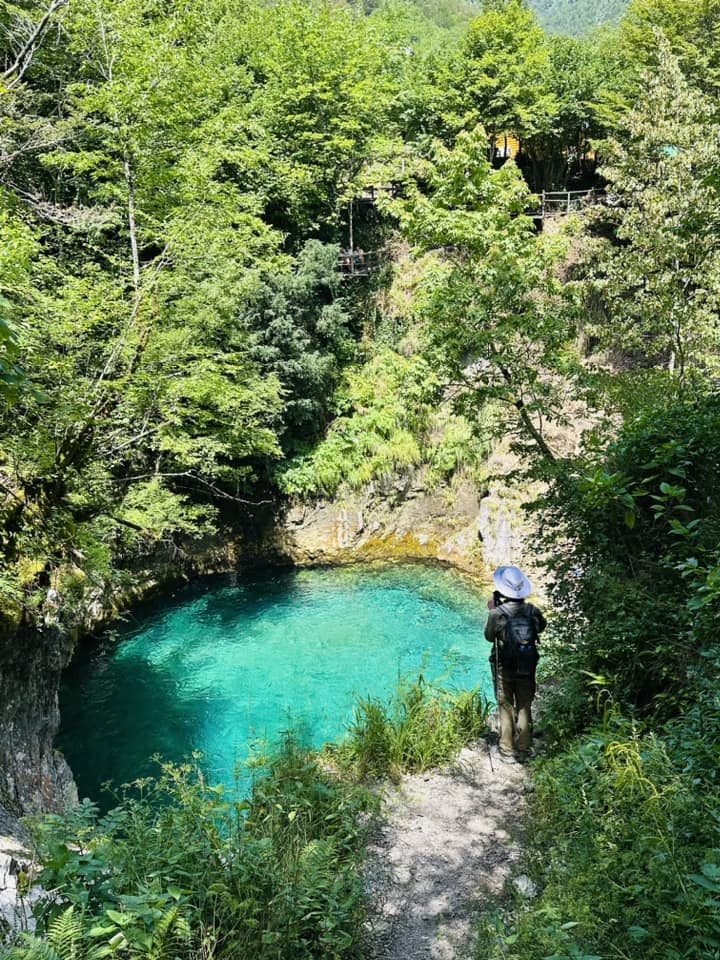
505	614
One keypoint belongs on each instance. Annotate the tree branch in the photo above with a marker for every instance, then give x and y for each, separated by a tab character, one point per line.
525	417
205	483
27	52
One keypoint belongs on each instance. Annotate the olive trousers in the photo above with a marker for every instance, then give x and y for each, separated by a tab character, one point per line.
514	698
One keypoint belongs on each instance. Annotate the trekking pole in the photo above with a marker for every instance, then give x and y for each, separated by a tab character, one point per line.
497	672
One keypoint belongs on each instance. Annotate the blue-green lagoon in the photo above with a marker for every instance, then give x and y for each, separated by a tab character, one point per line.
232	661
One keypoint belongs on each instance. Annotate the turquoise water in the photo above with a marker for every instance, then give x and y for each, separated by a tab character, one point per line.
227	663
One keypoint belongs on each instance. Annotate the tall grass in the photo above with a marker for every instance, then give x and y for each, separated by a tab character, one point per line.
421	726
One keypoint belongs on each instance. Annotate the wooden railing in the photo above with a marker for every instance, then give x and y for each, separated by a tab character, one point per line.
553	203
560	203
359	263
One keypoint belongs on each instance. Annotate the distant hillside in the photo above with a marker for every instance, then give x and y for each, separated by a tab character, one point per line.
577	17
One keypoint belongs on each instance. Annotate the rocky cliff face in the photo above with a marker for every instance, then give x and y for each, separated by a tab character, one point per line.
400	521
33	775
406	519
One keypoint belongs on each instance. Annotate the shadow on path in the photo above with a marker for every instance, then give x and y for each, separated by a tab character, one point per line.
445	850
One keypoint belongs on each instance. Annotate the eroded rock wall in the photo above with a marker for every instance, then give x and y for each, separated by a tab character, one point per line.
461	524
33	775
400	521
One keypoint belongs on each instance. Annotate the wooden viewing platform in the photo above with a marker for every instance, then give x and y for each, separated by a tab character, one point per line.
359	263
354	263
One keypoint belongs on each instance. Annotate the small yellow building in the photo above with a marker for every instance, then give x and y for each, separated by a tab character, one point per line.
507	146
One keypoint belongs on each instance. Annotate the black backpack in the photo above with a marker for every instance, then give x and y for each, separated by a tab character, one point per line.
518	651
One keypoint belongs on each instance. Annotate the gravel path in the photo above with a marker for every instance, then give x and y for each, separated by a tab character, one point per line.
445	849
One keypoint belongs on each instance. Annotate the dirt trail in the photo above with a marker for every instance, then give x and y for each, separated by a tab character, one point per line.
445	849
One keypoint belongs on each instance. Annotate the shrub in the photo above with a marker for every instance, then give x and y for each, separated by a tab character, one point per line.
633	541
422	726
177	870
625	841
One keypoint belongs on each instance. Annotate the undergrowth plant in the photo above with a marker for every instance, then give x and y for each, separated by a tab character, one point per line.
624	828
177	870
422	725
625	851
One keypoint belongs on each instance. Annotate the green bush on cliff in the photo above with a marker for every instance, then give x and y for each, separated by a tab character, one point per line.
387	421
384	411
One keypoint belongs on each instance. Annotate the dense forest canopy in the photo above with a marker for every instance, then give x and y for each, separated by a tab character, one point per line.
576	18
182	188
175	190
178	339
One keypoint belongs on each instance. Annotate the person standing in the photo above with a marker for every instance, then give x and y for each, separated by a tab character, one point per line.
513	628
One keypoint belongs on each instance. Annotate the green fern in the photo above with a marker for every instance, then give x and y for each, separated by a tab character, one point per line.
65	934
33	948
171	929
64	941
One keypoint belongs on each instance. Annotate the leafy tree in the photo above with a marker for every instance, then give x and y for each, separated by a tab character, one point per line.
501	72
691	28
489	296
659	274
578	72
323	89
302	336
150	409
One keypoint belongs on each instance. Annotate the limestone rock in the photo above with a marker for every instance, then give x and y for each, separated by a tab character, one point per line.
403	520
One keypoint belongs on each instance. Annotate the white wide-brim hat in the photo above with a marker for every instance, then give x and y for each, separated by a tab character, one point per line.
512	583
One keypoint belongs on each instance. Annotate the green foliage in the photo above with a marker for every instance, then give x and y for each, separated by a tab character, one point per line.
504	59
161	170
579	77
177	870
626	839
489	299
658	274
692	30
384	409
624	828
634	541
576	18
301	334
508	77
424	725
